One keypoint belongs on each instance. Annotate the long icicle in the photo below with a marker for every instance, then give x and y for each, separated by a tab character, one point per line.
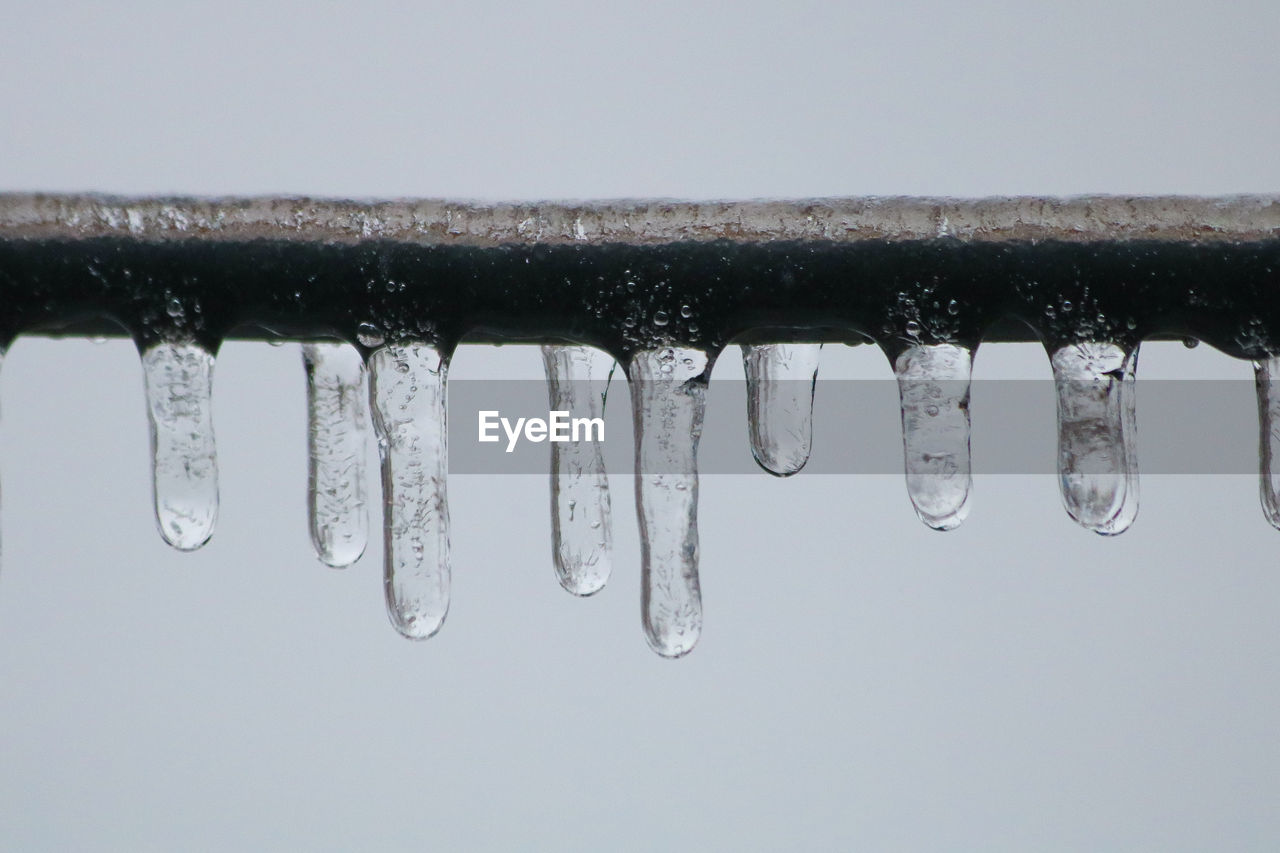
337	443
933	386
1097	440
1267	375
780	383
668	400
407	389
581	530
178	378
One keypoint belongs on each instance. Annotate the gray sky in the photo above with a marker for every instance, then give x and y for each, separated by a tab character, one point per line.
862	682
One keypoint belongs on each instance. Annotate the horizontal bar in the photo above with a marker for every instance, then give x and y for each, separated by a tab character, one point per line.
628	275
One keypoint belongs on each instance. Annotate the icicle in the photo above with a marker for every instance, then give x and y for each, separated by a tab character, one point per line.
780	382
577	382
1267	373
1097	441
668	400
179	386
337	433
407	387
933	386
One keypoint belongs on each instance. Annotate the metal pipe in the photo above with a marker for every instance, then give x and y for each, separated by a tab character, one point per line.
628	275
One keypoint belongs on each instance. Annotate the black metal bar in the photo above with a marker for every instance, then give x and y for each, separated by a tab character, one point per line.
632	275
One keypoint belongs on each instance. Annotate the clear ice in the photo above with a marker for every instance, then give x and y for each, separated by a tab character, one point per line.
178	378
1267	374
582	538
668	399
780	382
337	441
933	386
407	389
1097	441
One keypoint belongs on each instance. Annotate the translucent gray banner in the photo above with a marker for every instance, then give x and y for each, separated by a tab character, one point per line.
1184	427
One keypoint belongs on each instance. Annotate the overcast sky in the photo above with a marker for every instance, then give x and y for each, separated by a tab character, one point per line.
862	682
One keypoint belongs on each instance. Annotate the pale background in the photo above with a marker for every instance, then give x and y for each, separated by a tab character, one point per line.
862	682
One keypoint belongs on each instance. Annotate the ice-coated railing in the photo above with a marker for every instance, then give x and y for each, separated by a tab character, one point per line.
381	293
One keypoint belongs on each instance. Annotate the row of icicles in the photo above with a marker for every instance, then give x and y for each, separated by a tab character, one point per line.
1097	461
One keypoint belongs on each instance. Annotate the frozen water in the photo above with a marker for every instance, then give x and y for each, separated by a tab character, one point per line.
178	377
337	440
780	383
1097	441
933	386
668	399
582	537
1267	375
407	388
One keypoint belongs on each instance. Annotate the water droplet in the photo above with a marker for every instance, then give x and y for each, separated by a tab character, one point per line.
953	307
660	318
913	329
686	311
1190	343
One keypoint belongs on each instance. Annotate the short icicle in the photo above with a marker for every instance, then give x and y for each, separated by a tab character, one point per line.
178	377
337	443
1267	375
780	383
1097	441
933	387
668	399
407	389
582	537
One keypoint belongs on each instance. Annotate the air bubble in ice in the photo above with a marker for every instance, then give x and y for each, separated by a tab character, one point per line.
369	335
